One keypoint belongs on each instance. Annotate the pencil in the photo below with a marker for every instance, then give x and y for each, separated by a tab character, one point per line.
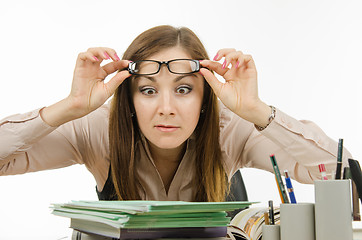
266	218
279	190
278	178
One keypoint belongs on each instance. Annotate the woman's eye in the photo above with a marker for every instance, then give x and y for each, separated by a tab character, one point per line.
183	90
148	91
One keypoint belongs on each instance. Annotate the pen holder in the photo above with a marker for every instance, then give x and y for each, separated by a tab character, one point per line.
271	232
333	213
297	221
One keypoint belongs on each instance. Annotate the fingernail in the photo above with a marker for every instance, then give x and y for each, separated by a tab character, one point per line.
216	56
107	56
95	58
224	65
116	56
237	64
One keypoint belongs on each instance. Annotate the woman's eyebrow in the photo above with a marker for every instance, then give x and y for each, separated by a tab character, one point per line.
178	78
185	75
152	79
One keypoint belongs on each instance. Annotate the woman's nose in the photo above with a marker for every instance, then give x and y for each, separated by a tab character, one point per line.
166	104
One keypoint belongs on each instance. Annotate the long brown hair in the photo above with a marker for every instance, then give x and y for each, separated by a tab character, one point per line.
210	178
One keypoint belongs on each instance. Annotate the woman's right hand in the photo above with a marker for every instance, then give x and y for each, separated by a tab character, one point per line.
89	91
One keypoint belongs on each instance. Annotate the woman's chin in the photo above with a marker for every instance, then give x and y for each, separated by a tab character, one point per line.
167	144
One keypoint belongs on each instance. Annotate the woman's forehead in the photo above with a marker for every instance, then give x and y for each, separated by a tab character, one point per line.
169	54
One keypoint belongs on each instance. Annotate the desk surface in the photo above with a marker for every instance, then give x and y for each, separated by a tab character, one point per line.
357	234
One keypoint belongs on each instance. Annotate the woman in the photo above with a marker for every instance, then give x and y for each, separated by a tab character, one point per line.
165	135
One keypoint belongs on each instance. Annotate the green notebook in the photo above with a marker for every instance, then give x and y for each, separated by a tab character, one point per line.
150	214
134	207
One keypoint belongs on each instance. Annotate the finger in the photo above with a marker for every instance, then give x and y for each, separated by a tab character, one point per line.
114	66
222	52
214	83
214	66
111	53
84	56
115	81
233	58
245	61
87	57
104	53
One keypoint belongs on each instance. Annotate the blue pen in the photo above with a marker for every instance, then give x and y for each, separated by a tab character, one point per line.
289	187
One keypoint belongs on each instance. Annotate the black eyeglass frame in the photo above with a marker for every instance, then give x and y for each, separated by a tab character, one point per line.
132	71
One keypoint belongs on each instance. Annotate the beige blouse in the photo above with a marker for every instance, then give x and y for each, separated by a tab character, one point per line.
28	144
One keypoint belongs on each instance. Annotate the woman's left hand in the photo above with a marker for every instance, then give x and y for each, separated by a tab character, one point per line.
239	93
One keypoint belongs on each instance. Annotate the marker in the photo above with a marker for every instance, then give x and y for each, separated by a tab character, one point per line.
289	187
271	213
322	170
339	159
278	178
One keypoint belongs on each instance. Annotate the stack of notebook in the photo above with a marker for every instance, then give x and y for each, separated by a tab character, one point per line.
149	219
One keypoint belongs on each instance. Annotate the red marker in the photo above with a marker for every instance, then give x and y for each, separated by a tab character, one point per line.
322	170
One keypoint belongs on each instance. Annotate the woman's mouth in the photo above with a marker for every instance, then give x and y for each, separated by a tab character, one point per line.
166	128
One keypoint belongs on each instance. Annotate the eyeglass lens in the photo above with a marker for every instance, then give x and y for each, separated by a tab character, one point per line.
175	66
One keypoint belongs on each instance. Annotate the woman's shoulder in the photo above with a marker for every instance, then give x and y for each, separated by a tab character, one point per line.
96	143
96	121
96	124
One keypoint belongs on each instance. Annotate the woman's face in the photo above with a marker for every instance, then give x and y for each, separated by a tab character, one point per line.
168	105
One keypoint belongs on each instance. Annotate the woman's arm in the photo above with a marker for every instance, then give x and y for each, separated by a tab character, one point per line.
29	144
89	91
32	142
239	92
299	146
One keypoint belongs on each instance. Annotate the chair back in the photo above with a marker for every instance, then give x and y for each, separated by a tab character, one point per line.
237	192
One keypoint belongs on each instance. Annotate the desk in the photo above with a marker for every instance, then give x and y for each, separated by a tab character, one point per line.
357	235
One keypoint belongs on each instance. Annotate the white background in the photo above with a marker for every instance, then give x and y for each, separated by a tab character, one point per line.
308	55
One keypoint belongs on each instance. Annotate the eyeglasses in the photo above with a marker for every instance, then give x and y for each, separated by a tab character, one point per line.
176	66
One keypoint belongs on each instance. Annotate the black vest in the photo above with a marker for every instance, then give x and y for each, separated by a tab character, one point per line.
108	192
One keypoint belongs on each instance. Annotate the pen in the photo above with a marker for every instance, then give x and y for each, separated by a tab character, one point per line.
322	170
278	178
271	213
339	159
289	187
